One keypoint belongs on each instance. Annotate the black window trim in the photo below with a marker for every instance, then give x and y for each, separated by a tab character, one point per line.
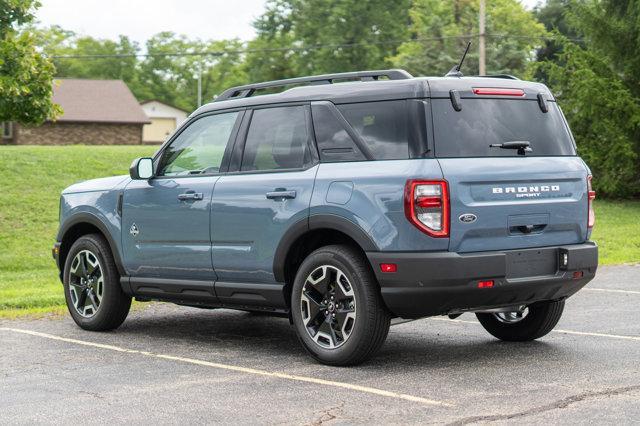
238	150
224	165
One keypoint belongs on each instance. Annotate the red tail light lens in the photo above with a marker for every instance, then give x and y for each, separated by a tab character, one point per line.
426	205
497	91
592	196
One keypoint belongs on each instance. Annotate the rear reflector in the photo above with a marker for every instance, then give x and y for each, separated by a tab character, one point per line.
485	284
388	267
497	91
577	275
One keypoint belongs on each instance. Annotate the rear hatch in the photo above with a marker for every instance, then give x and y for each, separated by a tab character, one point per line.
529	192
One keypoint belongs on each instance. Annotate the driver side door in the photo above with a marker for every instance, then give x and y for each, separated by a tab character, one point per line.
166	219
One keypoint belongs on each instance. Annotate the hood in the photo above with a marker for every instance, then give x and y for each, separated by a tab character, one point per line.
91	185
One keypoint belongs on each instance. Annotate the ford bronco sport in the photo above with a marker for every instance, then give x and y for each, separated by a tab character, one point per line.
343	202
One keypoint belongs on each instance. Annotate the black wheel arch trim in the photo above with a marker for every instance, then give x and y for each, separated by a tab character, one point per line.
93	220
313	222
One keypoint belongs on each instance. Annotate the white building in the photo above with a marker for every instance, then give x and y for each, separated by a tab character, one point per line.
164	120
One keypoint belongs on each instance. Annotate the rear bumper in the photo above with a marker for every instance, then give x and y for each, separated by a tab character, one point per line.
440	283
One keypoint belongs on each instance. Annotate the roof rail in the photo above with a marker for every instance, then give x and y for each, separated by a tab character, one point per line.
250	89
506	76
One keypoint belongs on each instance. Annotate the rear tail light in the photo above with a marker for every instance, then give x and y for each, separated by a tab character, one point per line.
426	205
592	196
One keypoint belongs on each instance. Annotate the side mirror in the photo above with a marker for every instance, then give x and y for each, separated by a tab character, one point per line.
141	168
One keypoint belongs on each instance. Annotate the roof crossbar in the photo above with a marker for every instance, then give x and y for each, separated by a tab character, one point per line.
249	90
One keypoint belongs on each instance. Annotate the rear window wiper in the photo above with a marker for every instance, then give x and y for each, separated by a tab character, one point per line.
522	146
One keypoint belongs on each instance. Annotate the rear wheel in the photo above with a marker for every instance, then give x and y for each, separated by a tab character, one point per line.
92	285
336	307
529	323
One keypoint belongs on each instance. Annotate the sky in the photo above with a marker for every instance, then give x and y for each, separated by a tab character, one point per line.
140	19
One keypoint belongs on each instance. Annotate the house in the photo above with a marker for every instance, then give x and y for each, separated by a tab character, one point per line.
164	118
96	112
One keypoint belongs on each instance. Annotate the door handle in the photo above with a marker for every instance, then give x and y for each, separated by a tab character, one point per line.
190	195
281	194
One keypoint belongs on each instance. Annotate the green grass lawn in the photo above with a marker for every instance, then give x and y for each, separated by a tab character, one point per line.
31	179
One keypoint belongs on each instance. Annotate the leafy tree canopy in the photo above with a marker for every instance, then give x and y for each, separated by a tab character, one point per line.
436	27
25	75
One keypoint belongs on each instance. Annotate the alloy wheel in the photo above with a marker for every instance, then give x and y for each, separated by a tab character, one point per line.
86	283
328	306
512	317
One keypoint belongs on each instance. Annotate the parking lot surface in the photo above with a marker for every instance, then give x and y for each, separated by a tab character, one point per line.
170	364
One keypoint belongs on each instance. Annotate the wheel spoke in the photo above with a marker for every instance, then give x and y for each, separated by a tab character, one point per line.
83	264
82	300
93	299
315	309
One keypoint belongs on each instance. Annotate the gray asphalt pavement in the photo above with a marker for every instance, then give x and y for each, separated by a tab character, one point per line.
176	365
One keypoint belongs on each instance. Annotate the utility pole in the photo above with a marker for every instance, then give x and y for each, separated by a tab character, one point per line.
481	35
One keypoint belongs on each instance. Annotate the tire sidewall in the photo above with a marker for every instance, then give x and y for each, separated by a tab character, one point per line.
110	280
360	287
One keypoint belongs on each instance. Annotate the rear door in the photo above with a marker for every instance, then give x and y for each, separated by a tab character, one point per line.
509	198
267	190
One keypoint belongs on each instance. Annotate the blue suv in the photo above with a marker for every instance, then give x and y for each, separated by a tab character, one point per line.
343	202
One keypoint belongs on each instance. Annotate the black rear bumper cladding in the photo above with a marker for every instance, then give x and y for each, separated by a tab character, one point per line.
439	283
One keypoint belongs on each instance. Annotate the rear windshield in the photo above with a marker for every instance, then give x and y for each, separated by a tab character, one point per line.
482	122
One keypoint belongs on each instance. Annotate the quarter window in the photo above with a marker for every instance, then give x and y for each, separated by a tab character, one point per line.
277	139
382	126
200	147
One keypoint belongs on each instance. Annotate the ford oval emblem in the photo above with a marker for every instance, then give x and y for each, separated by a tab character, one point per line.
467	218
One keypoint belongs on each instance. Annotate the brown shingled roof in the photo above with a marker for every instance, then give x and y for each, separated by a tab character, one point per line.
102	101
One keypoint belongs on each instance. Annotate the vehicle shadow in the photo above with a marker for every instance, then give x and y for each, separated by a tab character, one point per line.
248	337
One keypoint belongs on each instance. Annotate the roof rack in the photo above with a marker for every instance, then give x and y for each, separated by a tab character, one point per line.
506	76
250	89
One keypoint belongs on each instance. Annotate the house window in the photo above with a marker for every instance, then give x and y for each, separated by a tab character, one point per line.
7	130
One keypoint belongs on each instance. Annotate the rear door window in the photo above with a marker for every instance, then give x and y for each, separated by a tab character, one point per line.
277	139
382	126
482	122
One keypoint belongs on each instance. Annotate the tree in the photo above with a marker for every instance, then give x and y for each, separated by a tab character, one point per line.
440	31
173	78
349	35
304	37
597	83
26	76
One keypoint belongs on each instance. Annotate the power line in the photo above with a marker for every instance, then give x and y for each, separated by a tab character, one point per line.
218	53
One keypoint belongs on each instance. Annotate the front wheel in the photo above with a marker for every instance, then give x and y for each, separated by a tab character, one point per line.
92	285
336	307
529	323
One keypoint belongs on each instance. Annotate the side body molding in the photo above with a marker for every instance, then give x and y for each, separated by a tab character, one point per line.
314	222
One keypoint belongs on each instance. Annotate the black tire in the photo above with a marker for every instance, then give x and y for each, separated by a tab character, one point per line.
371	324
115	304
539	321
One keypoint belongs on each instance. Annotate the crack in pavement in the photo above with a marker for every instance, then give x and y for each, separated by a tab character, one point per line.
562	403
329	414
